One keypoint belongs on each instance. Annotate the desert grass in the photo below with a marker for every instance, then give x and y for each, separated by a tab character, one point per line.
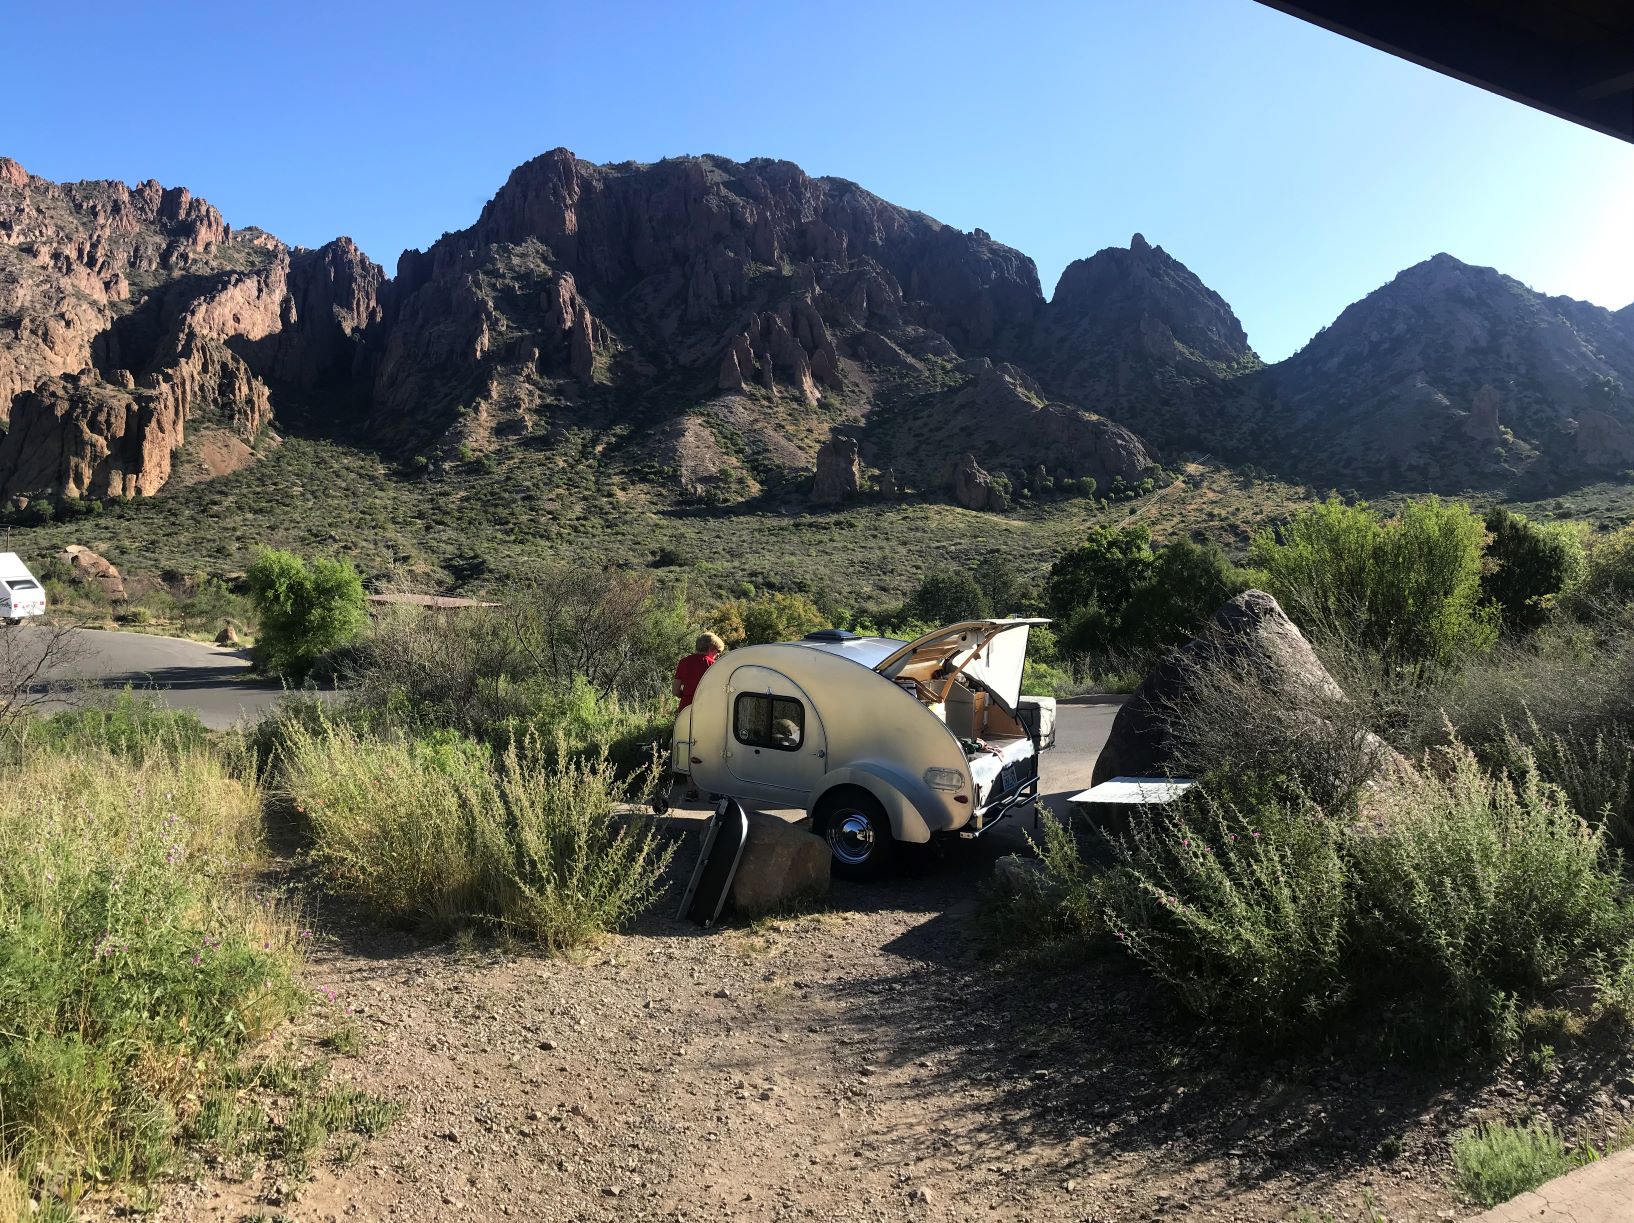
441	834
135	962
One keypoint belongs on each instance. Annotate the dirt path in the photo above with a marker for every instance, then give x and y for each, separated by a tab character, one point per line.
860	1063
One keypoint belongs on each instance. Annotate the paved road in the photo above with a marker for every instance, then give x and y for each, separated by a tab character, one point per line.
212	681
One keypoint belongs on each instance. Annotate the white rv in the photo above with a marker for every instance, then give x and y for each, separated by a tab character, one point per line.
21	594
881	741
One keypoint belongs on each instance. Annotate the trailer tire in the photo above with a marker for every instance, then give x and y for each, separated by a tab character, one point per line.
858	832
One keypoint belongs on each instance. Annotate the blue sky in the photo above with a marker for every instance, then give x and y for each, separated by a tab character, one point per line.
1293	170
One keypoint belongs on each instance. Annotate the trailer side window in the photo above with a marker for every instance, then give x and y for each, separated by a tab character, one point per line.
777	722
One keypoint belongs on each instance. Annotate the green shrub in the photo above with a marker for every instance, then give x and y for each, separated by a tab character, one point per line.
303	609
1596	773
947	596
1245	918
127	725
1570	678
592	655
1055	916
134	965
1608	579
765	618
437	834
1529	565
589	723
1088	587
1116	594
1188	582
1470	896
212	607
1478	890
1493	1163
1408	588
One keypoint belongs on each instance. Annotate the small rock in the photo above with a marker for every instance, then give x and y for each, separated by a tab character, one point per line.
920	1196
547	1045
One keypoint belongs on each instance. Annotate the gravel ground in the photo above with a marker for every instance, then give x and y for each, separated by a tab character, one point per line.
862	1062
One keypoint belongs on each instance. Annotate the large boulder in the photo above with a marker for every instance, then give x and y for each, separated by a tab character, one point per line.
973	488
839	471
782	862
92	570
1287	690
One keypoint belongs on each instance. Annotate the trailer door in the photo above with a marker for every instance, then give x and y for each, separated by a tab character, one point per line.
774	739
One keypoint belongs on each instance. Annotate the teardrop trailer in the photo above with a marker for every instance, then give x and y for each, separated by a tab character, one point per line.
880	741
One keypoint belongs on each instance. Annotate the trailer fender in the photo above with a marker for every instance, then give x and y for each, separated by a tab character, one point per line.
906	799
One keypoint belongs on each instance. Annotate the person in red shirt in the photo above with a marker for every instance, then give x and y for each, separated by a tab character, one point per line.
689	671
691	668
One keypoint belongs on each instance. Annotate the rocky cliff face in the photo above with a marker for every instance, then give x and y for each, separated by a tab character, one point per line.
713	324
128	315
1135	334
723	316
1456	376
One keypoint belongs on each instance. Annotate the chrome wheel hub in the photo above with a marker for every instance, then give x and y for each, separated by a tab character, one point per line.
851	837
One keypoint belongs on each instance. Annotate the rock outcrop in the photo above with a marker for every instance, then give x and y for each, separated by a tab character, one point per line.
1453	376
973	488
782	863
89	568
839	471
716	320
139	311
1136	335
1249	636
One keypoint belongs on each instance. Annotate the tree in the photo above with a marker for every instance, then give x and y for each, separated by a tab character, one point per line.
303	610
947	596
1408	588
1089	588
765	618
1109	563
1529	564
1186	585
38	662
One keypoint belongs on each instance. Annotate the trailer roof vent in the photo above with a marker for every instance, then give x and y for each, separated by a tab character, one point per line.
831	634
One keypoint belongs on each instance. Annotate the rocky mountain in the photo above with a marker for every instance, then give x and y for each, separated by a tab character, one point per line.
724	321
1458	376
724	330
1136	333
135	319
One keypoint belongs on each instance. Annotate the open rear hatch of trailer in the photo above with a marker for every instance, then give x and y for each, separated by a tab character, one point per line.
991	651
969	674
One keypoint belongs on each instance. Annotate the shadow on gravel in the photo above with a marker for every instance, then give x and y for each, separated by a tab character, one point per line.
1102	1054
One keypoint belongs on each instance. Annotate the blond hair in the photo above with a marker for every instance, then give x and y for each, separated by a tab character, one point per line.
708	643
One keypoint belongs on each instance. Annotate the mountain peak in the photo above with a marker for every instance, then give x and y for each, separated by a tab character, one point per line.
1124	286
